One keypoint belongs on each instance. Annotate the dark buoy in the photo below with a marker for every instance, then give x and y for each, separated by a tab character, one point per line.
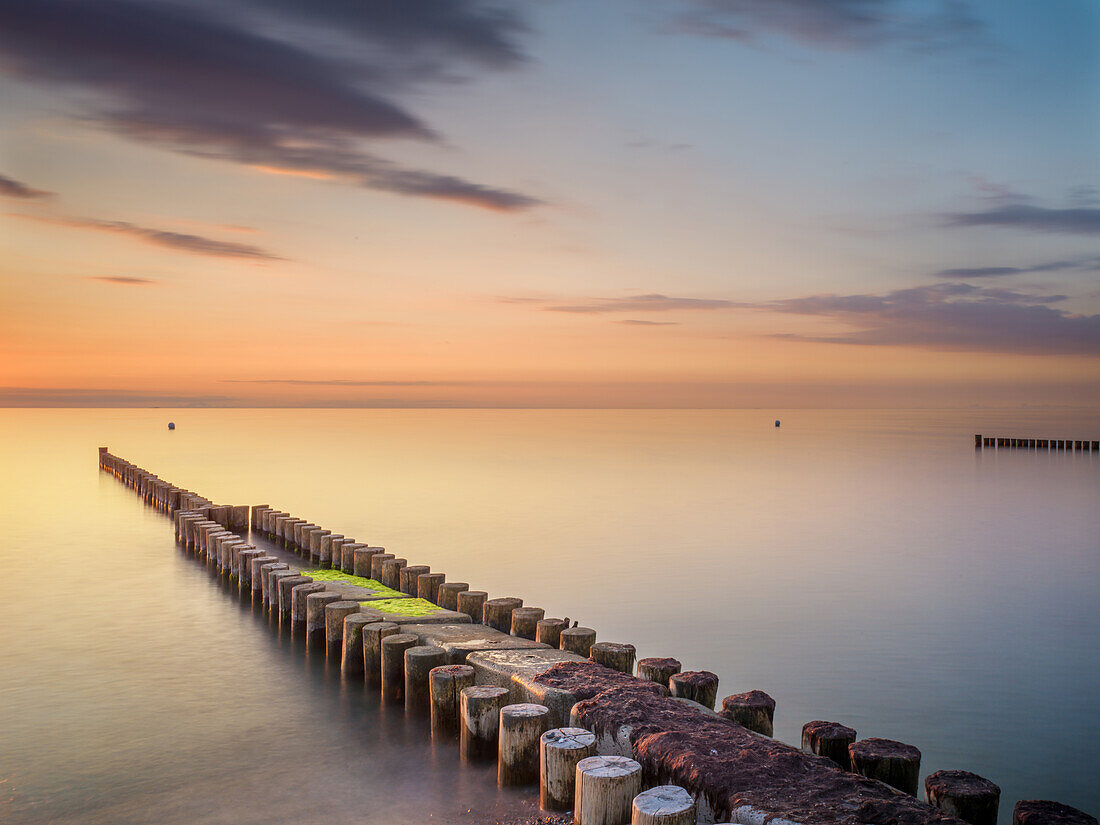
172	425
777	422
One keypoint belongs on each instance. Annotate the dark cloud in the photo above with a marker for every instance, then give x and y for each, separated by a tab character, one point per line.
1089	264
1082	220
635	322
11	188
197	244
123	280
640	303
835	24
960	317
193	81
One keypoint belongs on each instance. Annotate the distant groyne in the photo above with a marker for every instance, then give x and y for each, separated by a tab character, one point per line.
613	739
981	441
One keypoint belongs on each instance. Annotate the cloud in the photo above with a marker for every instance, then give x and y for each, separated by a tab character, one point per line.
192	80
834	24
339	382
123	280
957	317
1089	264
641	303
197	244
11	188
1082	220
635	322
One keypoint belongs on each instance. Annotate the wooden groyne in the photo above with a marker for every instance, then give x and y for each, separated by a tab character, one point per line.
552	705
1077	445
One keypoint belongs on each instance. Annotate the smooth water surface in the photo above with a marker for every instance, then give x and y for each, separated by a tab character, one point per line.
866	567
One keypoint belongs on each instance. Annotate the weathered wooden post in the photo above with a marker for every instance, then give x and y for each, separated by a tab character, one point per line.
895	763
560	750
347	556
393	665
472	603
335	613
829	739
521	727
298	596
614	655
448	594
578	640
1045	812
419	662
497	613
754	710
606	787
351	654
697	685
663	805
445	685
315	617
525	621
978	441
659	670
285	589
325	557
376	563
965	795
479	720
427	586
273	591
362	560
258	564
391	572
408	576
548	631
373	636
265	579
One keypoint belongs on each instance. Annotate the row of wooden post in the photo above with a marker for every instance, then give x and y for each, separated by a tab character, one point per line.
981	441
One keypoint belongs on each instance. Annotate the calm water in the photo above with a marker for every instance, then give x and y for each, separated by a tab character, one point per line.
865	567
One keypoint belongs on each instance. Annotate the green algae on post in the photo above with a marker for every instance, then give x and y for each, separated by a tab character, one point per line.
348	578
403	607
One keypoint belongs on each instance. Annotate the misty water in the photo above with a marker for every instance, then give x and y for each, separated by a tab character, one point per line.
866	567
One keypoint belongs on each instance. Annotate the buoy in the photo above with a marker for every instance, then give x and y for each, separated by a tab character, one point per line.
172	425
777	422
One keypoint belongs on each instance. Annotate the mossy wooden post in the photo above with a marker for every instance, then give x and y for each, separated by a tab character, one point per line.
614	655
362	559
472	603
347	556
697	685
427	586
391	572
376	563
521	727
754	710
497	613
298	596
335	613
445	685
393	665
548	631
895	763
606	787
560	749
257	511
448	594
525	622
315	618
578	640
663	805
963	794
407	578
419	662
659	670
325	556
829	739
351	654
373	636
315	539
1045	812
479	720
285	591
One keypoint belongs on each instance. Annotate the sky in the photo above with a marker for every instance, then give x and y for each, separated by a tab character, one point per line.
550	203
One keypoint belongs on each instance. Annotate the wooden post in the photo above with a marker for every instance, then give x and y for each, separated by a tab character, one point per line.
472	603
315	617
376	563
427	586
548	631
393	665
373	636
606	787
285	589
896	764
525	621
697	685
391	573
445	684
1045	812
663	805
578	640
560	750
479	720
258	565
335	613
298	603
419	662
265	579
829	739
347	556
965	795
448	594
521	727
351	654
978	441
408	575
498	613
362	559
614	655
658	670
754	710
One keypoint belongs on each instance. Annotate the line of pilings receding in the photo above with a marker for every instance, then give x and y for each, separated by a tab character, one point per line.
614	739
1062	444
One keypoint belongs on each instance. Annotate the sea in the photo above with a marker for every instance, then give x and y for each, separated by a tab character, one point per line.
869	567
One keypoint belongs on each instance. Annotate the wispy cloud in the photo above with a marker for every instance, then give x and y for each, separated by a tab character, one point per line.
1080	220
123	280
960	317
654	302
637	322
339	382
11	188
202	80
1087	264
197	244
